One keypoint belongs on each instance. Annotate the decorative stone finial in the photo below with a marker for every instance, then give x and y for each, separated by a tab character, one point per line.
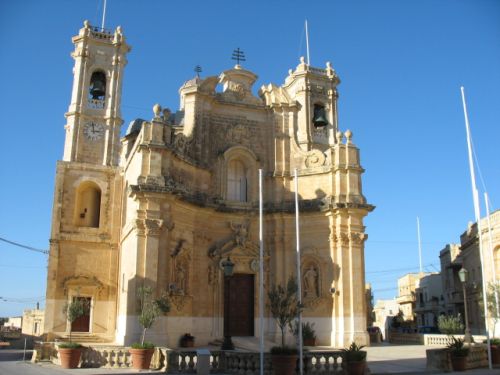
290	72
157	110
86	24
302	60
119	30
328	65
340	136
348	135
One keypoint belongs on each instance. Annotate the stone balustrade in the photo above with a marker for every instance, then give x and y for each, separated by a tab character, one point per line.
406	338
184	362
444	340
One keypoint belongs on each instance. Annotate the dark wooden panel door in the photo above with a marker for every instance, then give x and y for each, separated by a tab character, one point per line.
82	324
239	305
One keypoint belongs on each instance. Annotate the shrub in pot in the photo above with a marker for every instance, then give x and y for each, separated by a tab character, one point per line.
308	333
149	310
70	352
285	308
458	352
495	350
354	359
187	340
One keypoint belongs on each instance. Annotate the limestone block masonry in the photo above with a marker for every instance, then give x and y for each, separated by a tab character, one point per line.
179	194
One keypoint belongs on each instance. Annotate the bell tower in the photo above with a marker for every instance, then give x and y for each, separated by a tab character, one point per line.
315	90
94	117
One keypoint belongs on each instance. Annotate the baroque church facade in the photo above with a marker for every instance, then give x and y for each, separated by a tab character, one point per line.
167	203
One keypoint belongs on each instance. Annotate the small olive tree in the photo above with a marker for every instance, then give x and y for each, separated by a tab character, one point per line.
450	324
492	301
149	310
284	305
77	308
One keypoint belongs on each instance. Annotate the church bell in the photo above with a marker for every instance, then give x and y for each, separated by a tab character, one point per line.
319	118
98	85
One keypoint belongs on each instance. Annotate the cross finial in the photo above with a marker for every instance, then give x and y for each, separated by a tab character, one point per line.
238	55
198	70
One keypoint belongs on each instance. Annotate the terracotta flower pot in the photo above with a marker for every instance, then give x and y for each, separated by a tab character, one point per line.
309	342
356	367
458	363
284	364
70	358
495	354
141	358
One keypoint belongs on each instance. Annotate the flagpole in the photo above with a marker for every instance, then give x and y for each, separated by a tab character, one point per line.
261	276
103	15
477	213
419	245
307	44
299	278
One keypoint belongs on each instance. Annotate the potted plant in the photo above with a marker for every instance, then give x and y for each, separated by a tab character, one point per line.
495	350
70	352
285	307
308	333
458	353
187	340
355	359
149	310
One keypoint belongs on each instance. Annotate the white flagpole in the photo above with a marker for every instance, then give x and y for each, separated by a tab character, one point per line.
103	14
490	249
261	276
477	212
299	278
419	245
307	44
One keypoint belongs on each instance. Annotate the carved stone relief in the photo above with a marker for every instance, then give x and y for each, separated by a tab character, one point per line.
180	274
315	158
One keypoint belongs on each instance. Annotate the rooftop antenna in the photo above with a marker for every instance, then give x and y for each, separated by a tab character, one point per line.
307	44
419	244
103	15
198	70
238	55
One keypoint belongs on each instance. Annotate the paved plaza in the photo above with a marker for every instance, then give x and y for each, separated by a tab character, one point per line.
382	359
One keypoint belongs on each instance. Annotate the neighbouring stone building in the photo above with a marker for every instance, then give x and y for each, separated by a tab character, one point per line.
406	294
167	203
429	300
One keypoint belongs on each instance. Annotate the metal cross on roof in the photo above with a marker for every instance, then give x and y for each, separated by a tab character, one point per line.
197	69
238	55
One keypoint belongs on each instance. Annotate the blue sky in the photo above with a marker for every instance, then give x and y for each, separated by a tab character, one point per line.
401	64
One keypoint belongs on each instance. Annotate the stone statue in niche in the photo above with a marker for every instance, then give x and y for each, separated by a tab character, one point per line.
240	232
310	280
180	280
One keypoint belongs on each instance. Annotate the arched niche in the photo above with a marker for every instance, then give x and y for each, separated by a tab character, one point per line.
87	205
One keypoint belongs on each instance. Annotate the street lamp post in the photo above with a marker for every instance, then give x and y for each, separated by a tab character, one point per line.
463	274
228	272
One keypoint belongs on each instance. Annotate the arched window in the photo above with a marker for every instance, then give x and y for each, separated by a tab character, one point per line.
88	205
237	181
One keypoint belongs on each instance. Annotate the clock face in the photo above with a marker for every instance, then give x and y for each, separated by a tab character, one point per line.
93	130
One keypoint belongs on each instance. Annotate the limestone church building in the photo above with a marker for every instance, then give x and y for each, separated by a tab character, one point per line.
166	203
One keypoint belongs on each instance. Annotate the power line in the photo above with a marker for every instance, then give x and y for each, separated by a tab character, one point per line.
24	246
397	269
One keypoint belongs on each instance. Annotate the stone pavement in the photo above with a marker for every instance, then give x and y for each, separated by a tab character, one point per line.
382	359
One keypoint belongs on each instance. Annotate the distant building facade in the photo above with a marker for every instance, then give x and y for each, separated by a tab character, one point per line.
406	294
33	321
384	310
168	203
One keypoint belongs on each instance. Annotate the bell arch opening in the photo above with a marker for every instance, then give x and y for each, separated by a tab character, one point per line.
88	205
